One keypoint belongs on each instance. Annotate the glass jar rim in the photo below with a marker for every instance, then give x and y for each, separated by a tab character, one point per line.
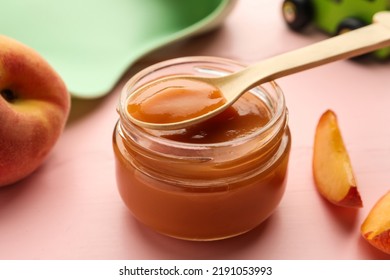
278	114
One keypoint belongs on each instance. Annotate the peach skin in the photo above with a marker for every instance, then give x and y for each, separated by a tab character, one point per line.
34	106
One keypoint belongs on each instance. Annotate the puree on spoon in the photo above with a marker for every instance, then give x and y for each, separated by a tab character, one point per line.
174	100
180	99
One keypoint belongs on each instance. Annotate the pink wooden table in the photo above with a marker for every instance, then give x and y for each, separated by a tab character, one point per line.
70	207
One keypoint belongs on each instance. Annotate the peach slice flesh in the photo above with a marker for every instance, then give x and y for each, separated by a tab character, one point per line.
376	227
332	169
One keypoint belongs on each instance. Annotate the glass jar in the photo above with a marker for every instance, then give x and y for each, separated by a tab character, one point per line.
205	191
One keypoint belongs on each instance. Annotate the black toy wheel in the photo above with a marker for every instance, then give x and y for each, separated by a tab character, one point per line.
297	13
349	24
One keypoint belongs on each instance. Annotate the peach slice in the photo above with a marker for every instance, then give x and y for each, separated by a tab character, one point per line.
332	169
376	227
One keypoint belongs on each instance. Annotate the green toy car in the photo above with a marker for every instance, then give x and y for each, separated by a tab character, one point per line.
334	16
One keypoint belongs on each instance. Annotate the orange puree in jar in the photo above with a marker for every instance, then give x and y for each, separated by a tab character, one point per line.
213	180
174	100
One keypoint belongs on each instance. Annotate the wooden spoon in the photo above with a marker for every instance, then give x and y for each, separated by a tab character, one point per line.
350	44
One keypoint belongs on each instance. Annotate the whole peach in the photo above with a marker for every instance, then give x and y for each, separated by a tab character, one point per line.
34	107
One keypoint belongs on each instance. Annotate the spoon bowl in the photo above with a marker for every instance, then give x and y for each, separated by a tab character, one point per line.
232	86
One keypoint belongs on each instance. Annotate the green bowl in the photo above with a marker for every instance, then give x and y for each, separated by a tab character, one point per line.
92	43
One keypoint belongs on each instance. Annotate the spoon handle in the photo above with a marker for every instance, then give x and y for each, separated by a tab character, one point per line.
346	45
